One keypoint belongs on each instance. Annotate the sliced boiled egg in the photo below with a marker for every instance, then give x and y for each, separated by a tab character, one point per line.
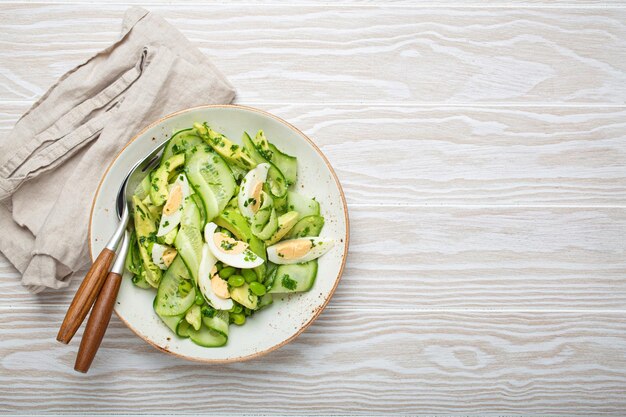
172	210
295	251
230	251
249	197
212	291
163	255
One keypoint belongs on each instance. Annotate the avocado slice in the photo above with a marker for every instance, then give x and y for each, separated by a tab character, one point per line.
168	238
158	190
244	296
194	316
145	228
285	223
224	147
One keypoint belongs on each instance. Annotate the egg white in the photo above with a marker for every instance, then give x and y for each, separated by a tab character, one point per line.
247	259
157	255
320	247
256	175
207	263
169	222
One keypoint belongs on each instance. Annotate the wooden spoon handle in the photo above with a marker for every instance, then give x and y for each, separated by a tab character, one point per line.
85	296
98	322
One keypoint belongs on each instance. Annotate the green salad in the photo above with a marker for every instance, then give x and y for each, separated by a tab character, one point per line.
218	230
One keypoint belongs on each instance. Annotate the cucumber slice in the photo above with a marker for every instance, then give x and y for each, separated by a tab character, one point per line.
207	337
308	226
287	164
172	298
191	214
188	241
294	278
275	179
265	221
280	204
180	142
216	320
183	328
265	301
211	179
266	231
143	189
305	206
170	321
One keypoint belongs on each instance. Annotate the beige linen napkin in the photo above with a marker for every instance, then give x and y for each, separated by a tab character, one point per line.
52	160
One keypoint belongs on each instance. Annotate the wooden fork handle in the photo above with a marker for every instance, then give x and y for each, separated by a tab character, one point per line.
85	296
98	322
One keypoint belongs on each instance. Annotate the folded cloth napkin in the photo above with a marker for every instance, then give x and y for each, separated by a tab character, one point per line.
52	160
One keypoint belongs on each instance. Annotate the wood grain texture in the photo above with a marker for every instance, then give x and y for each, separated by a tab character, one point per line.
463	155
98	322
350	54
363	3
358	362
468	258
482	148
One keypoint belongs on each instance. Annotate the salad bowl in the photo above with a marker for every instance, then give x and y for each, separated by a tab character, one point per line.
290	314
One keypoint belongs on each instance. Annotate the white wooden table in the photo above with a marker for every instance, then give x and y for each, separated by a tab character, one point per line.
482	149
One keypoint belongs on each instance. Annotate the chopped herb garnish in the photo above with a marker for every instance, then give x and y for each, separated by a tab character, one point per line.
227	245
289	283
208	311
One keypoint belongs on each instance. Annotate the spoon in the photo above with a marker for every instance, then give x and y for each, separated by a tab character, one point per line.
94	280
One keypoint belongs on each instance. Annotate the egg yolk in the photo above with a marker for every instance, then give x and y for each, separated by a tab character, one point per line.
174	200
256	195
293	249
229	245
168	256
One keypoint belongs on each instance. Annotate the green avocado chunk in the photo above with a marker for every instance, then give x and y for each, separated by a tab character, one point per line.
145	227
228	150
285	223
158	187
244	296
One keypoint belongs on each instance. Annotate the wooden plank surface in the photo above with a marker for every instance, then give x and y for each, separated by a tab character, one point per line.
482	151
462	155
350	54
465	258
408	362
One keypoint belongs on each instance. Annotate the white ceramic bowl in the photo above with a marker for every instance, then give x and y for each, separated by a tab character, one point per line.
289	315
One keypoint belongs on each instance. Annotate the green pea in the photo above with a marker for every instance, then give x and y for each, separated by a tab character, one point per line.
248	275
238	318
199	298
219	266
257	288
227	272
236	281
237	308
248	312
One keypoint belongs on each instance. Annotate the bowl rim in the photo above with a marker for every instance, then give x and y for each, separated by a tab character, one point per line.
318	310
